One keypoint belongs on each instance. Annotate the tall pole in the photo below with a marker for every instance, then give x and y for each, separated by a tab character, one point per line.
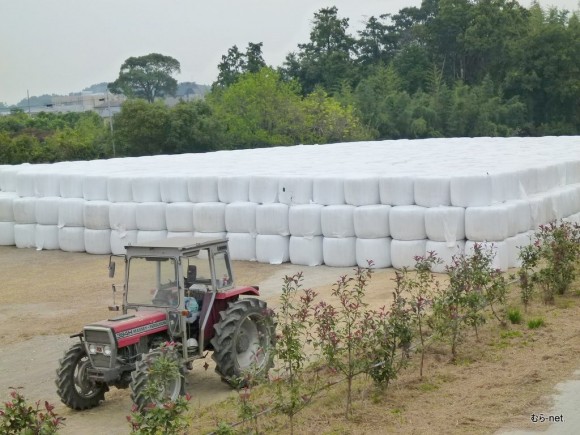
28	98
111	121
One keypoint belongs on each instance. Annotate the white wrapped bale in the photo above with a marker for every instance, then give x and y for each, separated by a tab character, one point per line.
337	221
403	252
519	216
445	224
46	237
95	187
541	210
123	216
25	185
471	190
445	252
565	201
432	191
7	207
71	239
7	234
120	188
234	189
203	189
306	251
550	177
328	190
575	218
372	221
499	250
97	241
151	216
171	234
263	190
149	236
407	222
146	189
242	246
377	251
304	220
240	217
272	219
47	184
209	217
487	223
120	239
339	252
573	172
24	210
179	217
71	212
514	245
174	189
46	210
96	215
8	176
25	235
505	186
295	190
206	237
71	185
397	190
272	249
361	191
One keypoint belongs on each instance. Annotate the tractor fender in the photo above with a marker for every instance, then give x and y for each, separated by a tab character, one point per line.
237	291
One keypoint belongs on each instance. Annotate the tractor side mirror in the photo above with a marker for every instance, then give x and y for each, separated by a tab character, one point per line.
111	269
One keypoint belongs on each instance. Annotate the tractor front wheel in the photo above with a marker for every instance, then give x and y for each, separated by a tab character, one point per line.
74	387
243	341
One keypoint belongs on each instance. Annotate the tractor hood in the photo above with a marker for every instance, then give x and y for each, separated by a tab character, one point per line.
129	328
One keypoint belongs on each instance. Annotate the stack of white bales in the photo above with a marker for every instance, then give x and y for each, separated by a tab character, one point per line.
340	204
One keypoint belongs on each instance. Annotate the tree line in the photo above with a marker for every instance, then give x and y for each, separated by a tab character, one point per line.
449	68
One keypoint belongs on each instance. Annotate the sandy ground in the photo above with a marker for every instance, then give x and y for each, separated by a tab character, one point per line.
499	382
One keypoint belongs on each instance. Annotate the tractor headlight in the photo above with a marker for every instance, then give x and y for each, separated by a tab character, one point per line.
107	350
92	349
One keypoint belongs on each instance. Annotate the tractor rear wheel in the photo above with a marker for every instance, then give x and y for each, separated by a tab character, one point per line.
243	341
151	387
74	387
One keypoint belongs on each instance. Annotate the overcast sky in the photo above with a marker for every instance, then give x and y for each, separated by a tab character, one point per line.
63	46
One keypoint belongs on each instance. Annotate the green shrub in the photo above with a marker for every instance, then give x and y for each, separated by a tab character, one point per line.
515	316
19	417
535	323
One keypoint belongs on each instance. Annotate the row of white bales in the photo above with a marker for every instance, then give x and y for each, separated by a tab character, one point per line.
340	205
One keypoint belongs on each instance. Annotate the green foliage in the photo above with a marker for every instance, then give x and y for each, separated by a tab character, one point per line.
147	77
18	417
235	64
514	315
536	323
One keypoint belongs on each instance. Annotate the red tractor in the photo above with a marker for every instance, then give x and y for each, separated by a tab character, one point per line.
179	291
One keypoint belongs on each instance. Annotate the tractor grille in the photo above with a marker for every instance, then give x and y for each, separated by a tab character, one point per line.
99	336
100	360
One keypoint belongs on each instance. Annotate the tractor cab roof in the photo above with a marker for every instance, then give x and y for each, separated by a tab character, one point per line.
176	247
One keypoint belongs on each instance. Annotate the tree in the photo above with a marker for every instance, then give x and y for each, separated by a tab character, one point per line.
147	77
235	63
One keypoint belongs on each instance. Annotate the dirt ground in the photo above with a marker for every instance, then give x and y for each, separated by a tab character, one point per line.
496	385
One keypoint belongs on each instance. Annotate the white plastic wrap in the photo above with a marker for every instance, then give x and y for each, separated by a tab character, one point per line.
7	234
209	217
514	245
407	222
362	191
295	190
179	216
487	223
432	191
328	190
148	236
541	209
120	239
7	206
566	201
403	252
46	237
46	210
98	241
498	249
240	217
151	216
306	251
25	235
505	186
550	177
71	185
397	190
242	246
337	221
445	252
24	210
471	190
174	189
573	172
234	189
272	249
71	239
146	188
445	224
263	190
96	215
120	188
372	221
47	184
123	216
339	252
304	220
204	237
203	189
179	234
519	216
377	251
272	219
71	212
25	183
8	178
95	187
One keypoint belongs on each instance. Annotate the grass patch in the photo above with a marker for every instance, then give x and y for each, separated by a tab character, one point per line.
536	323
510	334
515	316
428	386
